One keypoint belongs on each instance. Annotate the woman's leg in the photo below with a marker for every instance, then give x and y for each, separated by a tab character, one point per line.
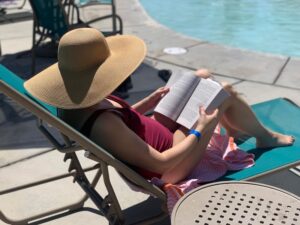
239	117
231	131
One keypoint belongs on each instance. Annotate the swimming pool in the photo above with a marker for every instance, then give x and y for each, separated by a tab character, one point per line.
271	26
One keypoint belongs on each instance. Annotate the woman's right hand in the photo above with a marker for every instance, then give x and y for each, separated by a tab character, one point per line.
207	121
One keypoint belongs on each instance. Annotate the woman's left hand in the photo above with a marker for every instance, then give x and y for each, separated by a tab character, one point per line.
154	98
151	100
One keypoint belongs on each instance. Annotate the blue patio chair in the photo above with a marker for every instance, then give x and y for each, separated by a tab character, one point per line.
269	112
53	18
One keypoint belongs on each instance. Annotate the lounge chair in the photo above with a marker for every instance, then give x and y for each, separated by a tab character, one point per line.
53	18
12	86
270	112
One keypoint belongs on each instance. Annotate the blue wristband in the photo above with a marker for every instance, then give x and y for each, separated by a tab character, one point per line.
196	133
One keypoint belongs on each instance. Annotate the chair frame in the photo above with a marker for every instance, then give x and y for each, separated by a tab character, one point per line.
115	17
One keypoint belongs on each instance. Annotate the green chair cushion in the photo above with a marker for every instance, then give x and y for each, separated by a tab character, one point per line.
282	116
17	83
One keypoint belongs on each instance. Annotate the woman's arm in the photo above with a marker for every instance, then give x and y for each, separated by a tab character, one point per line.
150	101
111	133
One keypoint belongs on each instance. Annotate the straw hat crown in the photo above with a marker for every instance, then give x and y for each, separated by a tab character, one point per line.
88	50
89	68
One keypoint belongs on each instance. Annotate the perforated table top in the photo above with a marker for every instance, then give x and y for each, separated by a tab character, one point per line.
235	203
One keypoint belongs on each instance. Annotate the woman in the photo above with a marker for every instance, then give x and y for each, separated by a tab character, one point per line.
90	67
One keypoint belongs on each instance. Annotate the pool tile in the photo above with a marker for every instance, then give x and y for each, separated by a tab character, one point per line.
157	38
10	45
290	76
9	31
178	69
232	62
256	92
134	14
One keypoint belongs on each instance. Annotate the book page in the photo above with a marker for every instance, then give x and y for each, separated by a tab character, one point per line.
175	77
203	95
180	91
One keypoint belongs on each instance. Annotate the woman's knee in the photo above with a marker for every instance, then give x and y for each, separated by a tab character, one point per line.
202	72
232	96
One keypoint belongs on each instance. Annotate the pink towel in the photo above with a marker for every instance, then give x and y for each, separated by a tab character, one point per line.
222	155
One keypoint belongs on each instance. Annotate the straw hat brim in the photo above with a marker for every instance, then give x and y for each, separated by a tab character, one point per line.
126	54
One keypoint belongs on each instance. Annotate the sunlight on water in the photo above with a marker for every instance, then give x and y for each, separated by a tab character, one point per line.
263	25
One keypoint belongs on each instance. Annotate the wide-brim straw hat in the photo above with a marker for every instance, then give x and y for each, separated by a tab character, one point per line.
89	68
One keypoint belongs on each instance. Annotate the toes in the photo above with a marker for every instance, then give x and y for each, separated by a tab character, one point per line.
293	139
290	140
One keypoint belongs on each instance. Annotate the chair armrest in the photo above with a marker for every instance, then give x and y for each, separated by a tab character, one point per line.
119	19
95	3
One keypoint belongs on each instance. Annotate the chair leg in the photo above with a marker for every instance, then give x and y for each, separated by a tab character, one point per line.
116	212
71	207
109	206
114	19
33	55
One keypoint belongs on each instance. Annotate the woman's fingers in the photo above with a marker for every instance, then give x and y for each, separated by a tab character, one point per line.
162	91
215	113
202	110
165	89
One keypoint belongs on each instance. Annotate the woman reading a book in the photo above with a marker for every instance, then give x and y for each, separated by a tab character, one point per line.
91	66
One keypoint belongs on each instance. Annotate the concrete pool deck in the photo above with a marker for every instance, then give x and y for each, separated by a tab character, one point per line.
25	155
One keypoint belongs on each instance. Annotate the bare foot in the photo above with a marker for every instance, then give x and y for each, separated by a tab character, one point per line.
275	140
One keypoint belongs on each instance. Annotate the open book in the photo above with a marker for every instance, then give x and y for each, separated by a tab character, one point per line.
187	93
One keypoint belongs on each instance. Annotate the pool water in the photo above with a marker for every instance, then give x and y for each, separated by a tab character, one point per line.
271	26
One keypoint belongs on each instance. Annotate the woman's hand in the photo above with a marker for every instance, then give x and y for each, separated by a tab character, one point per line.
151	101
154	98
207	121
